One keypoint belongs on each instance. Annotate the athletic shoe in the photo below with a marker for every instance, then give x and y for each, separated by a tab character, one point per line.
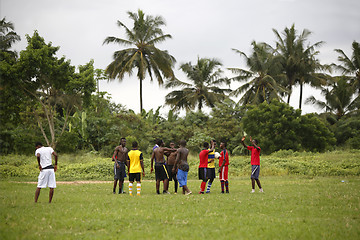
114	192
166	192
261	190
207	191
201	192
252	191
222	191
138	194
175	192
130	194
227	191
188	193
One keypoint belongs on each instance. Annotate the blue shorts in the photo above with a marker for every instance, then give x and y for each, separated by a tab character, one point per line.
255	171
182	177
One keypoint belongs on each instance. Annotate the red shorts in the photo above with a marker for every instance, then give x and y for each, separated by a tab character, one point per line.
224	173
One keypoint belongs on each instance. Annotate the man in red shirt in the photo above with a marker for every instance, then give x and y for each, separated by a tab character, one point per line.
255	162
203	155
224	167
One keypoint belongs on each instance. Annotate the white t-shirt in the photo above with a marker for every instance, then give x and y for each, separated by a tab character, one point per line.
45	156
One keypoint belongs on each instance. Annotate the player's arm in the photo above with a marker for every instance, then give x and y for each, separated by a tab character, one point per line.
128	164
38	160
224	160
242	141
142	164
177	161
56	160
212	147
152	161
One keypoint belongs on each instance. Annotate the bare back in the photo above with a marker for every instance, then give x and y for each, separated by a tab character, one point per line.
171	159
182	154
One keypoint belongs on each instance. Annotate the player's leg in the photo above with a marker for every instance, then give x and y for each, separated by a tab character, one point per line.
175	184
114	187
259	185
166	186
51	194
138	184
158	186
252	185
37	193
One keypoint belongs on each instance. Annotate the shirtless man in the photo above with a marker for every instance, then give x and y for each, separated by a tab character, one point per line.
161	172
170	162
120	157
182	167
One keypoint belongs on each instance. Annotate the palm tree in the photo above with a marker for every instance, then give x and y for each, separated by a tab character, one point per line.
7	36
263	73
298	61
350	66
338	99
143	55
204	88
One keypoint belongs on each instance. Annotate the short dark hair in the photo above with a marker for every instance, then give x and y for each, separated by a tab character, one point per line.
206	145
38	144
183	143
224	143
122	138
134	144
256	141
158	141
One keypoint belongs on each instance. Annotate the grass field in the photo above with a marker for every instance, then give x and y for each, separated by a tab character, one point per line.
292	207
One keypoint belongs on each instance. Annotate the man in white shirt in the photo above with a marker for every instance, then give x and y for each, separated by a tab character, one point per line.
47	170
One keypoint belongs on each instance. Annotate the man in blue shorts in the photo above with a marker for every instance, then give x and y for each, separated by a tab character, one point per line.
182	167
120	157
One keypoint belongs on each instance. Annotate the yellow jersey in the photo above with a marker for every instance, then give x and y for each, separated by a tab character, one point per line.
135	156
211	159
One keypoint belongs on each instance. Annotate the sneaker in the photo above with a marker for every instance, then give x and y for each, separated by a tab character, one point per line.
114	192
252	191
175	192
227	191
188	193
166	192
138	194
222	192
130	194
261	190
201	192
207	191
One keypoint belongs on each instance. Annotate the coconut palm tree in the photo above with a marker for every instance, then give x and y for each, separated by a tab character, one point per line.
7	38
298	60
204	89
263	74
142	54
338	98
350	67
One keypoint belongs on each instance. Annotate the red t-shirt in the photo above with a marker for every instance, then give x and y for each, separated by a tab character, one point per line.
255	155
203	155
221	159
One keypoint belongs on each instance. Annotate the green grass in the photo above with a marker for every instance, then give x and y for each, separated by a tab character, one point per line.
292	207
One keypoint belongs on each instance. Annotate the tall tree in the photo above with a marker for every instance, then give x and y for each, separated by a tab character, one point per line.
44	78
204	89
298	61
263	73
7	36
143	55
350	67
338	98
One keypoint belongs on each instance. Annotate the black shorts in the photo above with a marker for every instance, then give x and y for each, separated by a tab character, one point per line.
134	176
119	173
161	172
210	173
202	174
171	174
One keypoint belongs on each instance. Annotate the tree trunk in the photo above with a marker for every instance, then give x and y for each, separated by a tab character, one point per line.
301	94
141	100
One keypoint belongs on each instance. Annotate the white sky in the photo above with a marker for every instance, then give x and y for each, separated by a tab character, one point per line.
200	28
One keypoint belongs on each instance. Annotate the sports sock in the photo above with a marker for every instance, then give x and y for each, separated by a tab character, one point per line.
227	185
202	187
130	188
138	187
208	187
222	186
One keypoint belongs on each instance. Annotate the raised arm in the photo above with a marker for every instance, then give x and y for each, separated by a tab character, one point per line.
242	141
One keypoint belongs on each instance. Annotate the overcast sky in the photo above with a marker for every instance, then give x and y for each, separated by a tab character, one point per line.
200	28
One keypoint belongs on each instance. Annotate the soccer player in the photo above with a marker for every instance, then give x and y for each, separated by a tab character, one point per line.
160	168
120	157
182	167
170	162
203	155
135	166
47	170
224	167
255	162
210	171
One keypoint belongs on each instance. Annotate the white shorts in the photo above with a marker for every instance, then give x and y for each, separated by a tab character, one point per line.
47	179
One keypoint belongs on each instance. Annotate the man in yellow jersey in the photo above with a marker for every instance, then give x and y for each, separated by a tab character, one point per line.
210	173
135	166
